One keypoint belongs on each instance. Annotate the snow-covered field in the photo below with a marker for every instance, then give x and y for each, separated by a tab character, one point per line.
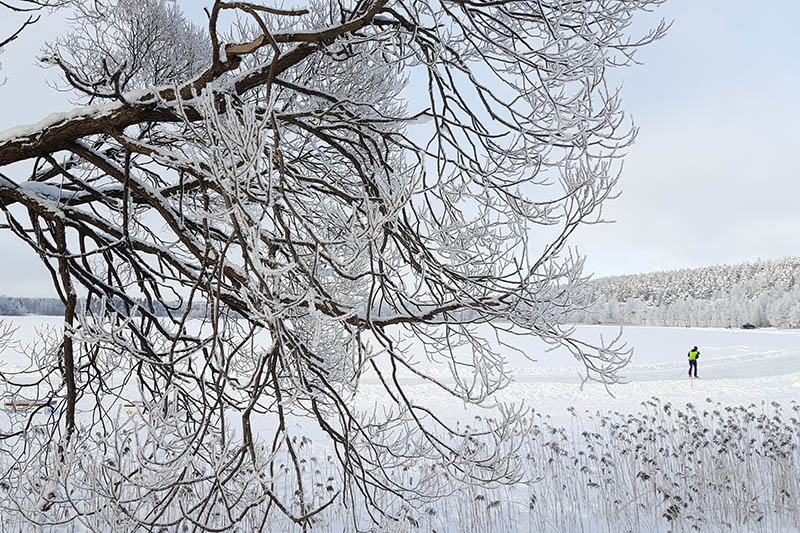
604	443
735	367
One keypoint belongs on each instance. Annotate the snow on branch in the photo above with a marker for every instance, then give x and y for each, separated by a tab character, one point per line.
248	219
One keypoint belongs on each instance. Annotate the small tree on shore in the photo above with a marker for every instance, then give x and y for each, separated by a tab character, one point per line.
328	181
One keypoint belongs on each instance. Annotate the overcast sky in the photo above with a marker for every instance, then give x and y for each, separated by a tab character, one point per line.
713	178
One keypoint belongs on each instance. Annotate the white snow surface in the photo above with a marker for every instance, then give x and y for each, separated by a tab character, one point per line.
736	367
53	119
95	111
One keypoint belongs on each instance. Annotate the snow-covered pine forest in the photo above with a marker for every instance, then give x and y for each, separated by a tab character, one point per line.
762	293
13	306
22	306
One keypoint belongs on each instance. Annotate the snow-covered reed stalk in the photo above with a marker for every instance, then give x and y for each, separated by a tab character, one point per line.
707	468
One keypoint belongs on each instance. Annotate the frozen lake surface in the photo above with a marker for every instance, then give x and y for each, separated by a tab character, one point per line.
735	367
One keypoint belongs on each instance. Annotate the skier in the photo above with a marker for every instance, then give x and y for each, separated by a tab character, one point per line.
694	354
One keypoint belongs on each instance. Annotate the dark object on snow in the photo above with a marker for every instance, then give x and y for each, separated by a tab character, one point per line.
748	326
694	354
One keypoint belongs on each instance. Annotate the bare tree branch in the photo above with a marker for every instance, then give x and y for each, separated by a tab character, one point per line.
247	220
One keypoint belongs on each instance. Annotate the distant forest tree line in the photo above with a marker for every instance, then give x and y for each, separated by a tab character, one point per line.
762	293
17	306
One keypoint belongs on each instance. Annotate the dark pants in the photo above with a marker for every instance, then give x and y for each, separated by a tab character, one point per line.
692	364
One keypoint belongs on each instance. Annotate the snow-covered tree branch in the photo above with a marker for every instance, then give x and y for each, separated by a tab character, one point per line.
329	181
